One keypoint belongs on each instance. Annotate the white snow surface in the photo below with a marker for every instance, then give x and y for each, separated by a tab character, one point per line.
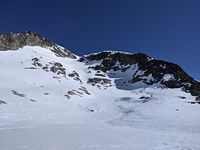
38	115
168	77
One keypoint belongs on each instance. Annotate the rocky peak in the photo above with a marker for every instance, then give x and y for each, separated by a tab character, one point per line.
110	59
14	41
121	57
146	67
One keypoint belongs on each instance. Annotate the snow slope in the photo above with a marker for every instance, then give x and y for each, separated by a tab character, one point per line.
50	105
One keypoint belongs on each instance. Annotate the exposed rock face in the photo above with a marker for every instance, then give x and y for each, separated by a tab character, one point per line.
99	80
145	67
14	41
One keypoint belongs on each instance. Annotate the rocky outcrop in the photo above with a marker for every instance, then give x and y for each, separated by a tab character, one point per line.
146	67
102	81
2	102
79	92
14	41
54	67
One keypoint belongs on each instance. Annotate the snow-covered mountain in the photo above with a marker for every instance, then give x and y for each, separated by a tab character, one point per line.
106	100
139	70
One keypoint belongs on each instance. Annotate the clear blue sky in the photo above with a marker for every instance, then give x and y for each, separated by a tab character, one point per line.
163	29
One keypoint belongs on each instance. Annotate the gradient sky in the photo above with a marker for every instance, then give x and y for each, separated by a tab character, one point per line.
163	29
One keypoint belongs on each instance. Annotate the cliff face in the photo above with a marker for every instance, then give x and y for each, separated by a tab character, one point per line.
14	41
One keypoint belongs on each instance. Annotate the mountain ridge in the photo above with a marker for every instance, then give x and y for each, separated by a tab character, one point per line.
157	68
103	101
131	69
14	41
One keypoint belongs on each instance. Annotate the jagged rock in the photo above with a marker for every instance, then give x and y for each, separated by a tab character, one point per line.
32	100
54	67
75	76
84	90
146	66
71	93
2	102
109	58
194	102
101	81
36	62
57	64
101	75
78	92
14	41
18	94
68	97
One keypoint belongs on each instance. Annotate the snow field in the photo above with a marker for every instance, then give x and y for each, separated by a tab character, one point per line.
38	115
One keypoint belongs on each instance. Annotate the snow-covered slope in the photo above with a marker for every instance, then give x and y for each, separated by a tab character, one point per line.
139	70
59	103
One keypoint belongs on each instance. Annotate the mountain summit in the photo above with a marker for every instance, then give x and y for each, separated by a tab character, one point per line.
14	41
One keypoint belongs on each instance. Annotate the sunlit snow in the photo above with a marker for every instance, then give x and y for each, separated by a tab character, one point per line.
38	116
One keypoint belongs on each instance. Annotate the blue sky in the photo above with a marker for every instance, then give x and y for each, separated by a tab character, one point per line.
163	29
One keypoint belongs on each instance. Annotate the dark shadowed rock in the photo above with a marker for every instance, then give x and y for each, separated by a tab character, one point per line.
14	41
2	102
146	66
101	81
